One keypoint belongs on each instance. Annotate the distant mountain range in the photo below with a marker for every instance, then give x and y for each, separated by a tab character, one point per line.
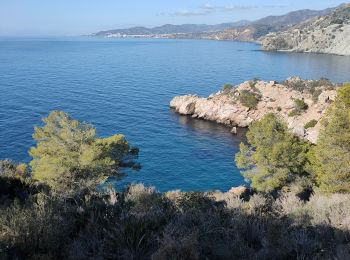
172	29
194	30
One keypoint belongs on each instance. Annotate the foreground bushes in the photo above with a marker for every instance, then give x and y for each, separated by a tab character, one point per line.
143	224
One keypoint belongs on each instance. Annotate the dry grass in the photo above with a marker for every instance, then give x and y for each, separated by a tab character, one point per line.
144	224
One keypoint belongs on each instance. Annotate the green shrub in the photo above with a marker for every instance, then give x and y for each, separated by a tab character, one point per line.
142	200
13	170
322	82
195	200
309	86
252	84
311	124
315	94
249	99
293	113
227	87
36	230
15	183
298	85
337	21
300	105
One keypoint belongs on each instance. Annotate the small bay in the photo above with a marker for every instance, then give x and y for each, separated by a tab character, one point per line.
125	86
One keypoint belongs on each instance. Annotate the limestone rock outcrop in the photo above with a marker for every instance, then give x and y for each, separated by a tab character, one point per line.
297	102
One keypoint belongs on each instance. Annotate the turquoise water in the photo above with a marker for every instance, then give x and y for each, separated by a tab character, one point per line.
124	86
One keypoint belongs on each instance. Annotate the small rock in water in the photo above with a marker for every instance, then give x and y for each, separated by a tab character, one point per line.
234	130
194	116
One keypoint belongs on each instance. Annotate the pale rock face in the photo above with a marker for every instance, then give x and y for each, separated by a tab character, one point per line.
225	108
238	191
326	95
185	105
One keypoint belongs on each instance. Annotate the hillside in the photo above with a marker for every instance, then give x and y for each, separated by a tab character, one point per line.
249	33
169	29
242	30
326	34
293	17
257	29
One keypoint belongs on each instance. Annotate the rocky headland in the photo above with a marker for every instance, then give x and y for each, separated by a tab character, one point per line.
299	103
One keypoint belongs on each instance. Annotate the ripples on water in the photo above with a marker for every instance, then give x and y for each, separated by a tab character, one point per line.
125	86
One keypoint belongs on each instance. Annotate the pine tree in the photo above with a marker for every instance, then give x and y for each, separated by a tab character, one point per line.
274	157
70	158
331	157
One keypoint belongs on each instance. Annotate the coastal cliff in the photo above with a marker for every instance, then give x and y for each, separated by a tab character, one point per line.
325	34
299	103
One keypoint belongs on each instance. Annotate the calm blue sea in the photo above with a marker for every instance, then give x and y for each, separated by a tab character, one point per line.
124	86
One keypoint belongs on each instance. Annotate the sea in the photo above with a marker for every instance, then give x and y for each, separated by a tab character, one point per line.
125	86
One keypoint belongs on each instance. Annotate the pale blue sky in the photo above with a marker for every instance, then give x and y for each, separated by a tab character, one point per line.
76	17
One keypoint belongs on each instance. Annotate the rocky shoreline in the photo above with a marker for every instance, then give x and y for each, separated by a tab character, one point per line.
299	103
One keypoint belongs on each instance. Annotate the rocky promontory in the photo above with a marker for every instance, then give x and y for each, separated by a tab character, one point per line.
299	103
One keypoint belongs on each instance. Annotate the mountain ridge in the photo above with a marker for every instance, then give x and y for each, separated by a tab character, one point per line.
293	17
288	19
171	29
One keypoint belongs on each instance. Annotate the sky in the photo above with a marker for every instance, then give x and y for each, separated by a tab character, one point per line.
79	17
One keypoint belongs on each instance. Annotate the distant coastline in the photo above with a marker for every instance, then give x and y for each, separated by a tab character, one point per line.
326	31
